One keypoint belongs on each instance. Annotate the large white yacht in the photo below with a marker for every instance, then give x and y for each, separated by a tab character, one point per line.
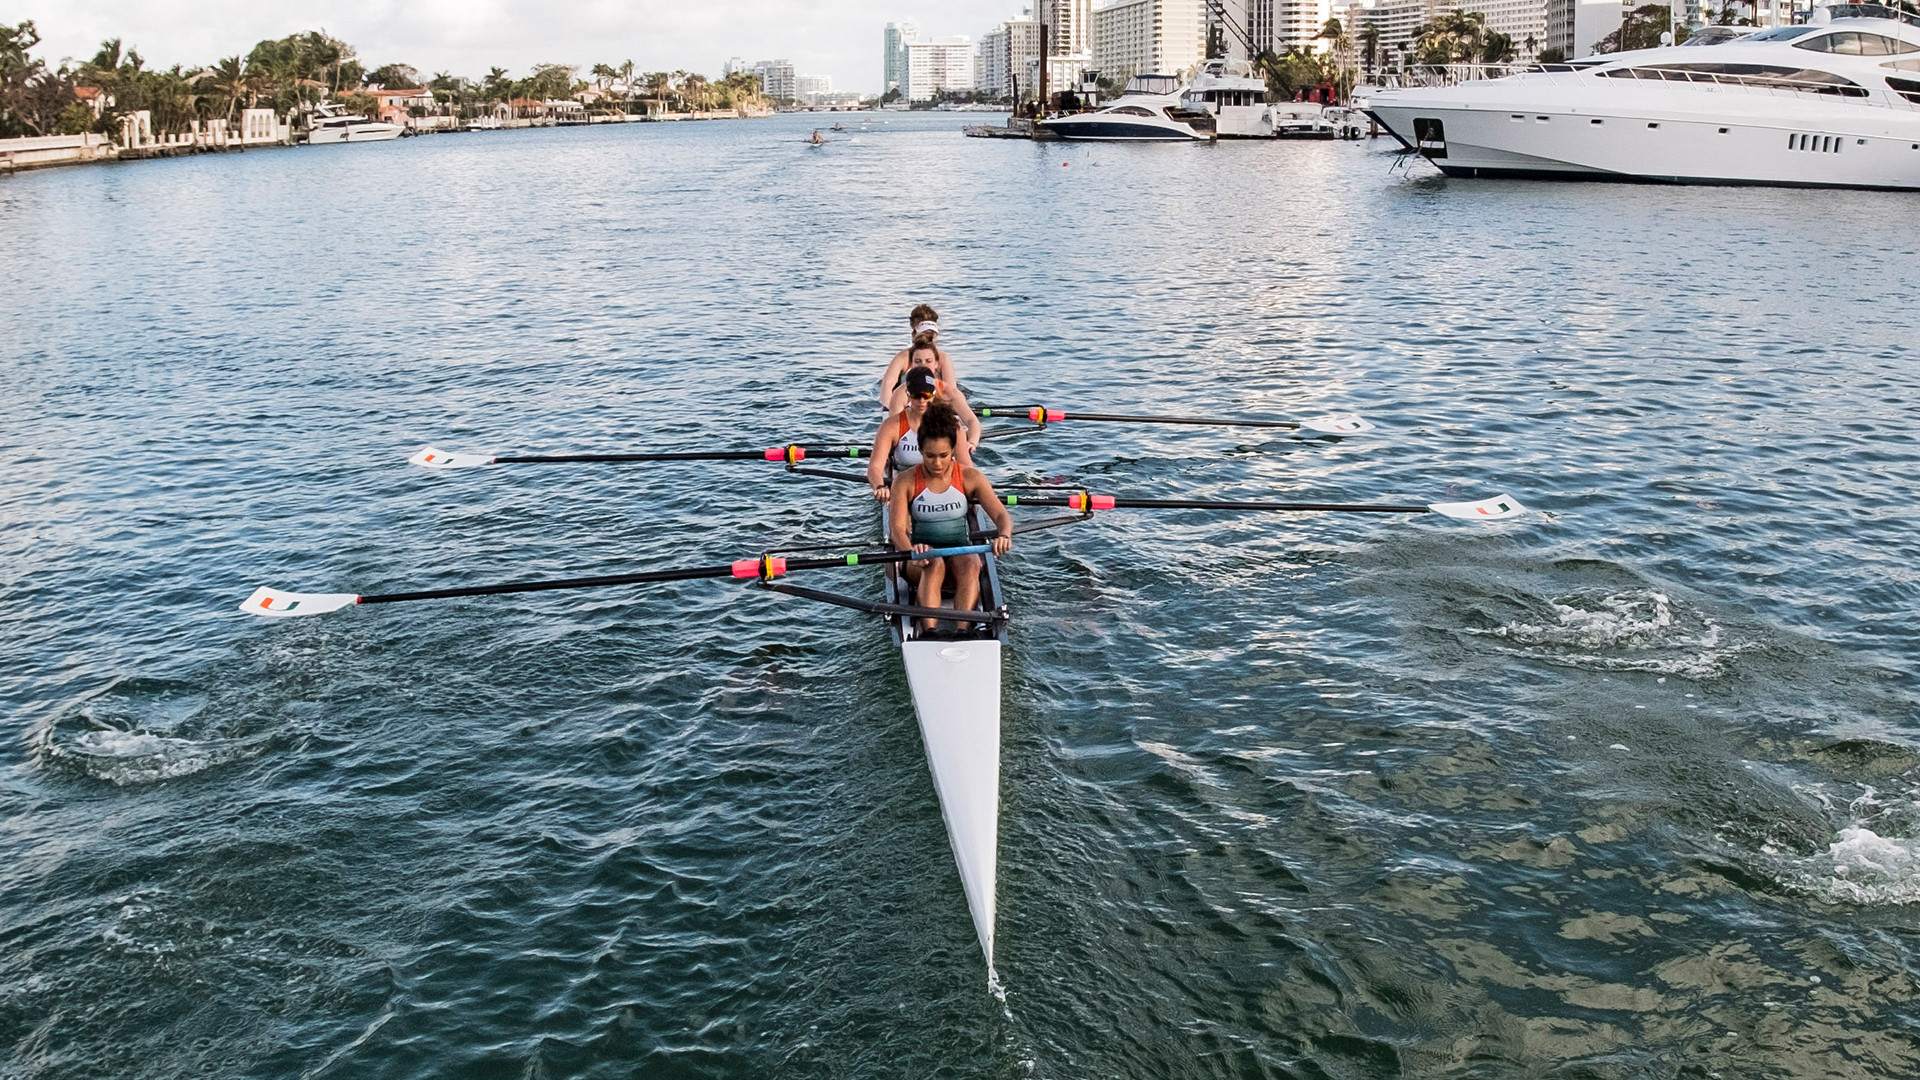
1149	111
1831	103
333	124
1237	101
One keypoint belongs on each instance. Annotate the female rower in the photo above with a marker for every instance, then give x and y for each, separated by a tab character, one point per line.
896	446
925	323
923	354
930	507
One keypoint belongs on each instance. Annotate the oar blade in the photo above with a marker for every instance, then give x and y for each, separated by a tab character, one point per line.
1495	509
276	604
434	458
1336	424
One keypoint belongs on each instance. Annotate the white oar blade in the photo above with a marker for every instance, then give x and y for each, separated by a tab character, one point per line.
275	604
1494	509
1337	424
434	458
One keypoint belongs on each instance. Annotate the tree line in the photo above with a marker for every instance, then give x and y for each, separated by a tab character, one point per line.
291	75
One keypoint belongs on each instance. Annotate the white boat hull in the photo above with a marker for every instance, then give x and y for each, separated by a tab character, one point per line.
357	133
1720	114
956	696
956	693
1720	150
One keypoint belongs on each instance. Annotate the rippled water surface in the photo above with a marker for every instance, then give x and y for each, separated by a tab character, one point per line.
1629	788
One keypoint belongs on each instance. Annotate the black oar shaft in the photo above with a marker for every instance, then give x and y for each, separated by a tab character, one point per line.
1216	504
1183	420
641	578
694	573
776	454
1056	415
568	459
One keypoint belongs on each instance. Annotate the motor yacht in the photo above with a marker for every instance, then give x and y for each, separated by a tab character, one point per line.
1149	111
1228	91
1832	102
333	124
1302	120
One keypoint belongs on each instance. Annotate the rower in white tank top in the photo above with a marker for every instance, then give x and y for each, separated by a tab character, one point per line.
896	447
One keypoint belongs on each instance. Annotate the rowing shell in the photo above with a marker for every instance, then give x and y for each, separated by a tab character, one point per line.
956	695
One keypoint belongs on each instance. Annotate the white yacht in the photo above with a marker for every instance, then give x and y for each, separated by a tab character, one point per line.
1831	103
1149	111
333	124
1302	120
1228	91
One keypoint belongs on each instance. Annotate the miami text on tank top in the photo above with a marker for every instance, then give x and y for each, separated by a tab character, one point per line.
939	518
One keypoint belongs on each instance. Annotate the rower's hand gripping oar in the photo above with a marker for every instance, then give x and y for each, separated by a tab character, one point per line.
435	458
1498	508
276	603
1335	424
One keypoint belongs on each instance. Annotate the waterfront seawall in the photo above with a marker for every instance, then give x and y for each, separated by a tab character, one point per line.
46	151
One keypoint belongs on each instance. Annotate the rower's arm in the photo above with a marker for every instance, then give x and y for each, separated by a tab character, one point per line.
969	422
877	460
899	524
888	383
980	490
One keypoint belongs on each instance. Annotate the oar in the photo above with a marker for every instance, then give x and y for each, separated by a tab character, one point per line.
280	604
1494	509
1336	424
434	458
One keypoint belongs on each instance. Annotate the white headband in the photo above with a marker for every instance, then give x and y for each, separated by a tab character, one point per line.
920	328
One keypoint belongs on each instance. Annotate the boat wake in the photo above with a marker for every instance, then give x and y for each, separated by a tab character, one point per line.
1638	629
137	731
1873	860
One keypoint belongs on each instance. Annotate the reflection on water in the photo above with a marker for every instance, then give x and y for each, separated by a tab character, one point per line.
1626	790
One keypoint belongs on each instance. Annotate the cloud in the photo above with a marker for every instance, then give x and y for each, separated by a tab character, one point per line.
840	38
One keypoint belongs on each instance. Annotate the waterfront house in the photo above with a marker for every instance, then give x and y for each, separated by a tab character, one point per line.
396	106
94	98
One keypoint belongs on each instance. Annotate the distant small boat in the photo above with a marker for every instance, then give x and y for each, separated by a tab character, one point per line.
334	124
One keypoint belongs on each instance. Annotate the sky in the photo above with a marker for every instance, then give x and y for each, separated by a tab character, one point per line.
840	38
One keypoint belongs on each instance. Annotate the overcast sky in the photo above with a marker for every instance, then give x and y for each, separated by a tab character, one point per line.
840	38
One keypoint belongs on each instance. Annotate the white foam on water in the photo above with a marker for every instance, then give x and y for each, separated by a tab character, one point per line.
1636	630
1871	862
138	757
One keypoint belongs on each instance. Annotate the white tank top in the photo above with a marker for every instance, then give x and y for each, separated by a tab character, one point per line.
906	452
939	517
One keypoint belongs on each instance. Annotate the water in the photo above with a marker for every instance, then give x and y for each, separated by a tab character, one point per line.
1625	789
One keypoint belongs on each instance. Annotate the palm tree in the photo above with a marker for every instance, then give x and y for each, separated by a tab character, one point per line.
1370	39
228	79
1453	38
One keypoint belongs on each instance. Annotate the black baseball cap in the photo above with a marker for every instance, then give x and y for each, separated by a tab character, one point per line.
921	382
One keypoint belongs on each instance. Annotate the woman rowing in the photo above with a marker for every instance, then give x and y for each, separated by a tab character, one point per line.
925	323
930	508
896	446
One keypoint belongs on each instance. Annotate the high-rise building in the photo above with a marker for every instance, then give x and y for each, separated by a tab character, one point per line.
1576	26
776	79
937	65
811	88
894	44
1247	28
1001	63
1398	24
1069	26
1523	21
734	65
1149	37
